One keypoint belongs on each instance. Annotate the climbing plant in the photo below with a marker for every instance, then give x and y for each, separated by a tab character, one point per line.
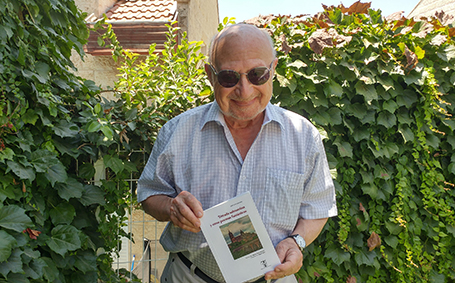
382	93
56	223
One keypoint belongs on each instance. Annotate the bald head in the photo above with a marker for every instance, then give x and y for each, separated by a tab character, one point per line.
240	36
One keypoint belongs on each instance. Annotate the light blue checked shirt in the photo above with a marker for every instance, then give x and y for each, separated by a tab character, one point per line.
285	170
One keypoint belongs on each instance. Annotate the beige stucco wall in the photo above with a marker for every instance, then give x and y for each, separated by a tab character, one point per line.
96	7
202	21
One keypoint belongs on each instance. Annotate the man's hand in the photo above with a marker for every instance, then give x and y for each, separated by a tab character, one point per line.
291	259
185	211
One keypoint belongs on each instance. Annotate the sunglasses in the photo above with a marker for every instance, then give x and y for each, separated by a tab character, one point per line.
256	76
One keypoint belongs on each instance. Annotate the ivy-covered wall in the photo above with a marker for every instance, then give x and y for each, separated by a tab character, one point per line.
382	93
56	225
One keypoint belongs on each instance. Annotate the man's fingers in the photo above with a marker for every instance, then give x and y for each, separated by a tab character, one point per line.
193	203
184	212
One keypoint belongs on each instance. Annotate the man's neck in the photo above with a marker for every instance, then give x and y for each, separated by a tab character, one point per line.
245	132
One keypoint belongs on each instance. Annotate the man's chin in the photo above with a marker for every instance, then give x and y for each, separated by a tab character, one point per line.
243	116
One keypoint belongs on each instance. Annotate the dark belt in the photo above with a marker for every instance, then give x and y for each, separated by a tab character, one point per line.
204	276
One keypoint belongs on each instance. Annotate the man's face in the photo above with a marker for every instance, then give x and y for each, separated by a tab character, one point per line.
241	53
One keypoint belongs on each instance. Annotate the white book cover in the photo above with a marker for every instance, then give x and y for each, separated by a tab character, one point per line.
238	239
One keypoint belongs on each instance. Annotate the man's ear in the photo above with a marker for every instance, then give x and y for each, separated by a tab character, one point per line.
209	73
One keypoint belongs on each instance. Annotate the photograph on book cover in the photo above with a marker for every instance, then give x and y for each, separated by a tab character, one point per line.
241	237
238	239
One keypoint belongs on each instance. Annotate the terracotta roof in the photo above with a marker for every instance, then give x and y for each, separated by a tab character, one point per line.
137	24
141	10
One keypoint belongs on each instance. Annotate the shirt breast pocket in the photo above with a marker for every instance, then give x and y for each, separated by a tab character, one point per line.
284	190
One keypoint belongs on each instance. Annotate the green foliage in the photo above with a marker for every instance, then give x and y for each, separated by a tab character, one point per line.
382	91
56	224
161	85
226	21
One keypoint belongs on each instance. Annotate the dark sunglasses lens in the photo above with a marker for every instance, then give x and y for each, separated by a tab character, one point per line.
259	75
228	78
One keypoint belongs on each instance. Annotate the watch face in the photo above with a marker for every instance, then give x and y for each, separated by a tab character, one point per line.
300	241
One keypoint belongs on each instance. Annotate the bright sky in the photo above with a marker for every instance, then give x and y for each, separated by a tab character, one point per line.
246	9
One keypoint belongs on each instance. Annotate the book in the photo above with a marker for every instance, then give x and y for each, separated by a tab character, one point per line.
238	239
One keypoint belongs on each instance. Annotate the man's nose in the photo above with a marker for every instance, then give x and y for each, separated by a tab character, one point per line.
244	85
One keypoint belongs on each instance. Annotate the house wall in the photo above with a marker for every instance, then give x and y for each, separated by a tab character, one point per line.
202	21
428	8
96	7
100	69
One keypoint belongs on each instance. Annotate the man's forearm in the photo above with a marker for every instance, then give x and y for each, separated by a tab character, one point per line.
158	206
309	229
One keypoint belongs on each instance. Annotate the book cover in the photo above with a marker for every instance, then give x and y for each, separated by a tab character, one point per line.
238	239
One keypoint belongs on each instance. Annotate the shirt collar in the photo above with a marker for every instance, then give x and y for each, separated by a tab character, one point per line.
214	115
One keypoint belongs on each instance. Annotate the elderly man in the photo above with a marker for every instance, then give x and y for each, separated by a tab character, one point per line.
238	143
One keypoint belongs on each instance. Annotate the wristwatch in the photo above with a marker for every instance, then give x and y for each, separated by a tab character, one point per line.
299	240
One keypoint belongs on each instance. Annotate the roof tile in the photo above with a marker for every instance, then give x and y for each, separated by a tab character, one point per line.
142	10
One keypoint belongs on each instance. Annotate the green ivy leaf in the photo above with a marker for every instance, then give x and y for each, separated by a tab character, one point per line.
7	243
337	255
406	132
69	189
285	82
361	134
13	264
64	238
332	88
85	261
367	91
358	110
335	116
50	271
92	195
56	173
42	159
7	153
30	117
42	70
63	213
386	119
386	82
93	126
392	241
451	168
390	105
366	258
407	99
35	269
447	53
86	171
26	173
433	141
370	189
14	218
107	131
114	163
393	227
344	149
66	129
